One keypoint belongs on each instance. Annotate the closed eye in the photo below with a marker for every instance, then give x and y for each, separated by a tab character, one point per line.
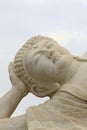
36	46
50	45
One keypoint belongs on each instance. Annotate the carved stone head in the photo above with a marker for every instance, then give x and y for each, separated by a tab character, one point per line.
41	63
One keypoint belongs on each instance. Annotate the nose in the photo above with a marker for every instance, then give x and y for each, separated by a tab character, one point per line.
47	52
50	53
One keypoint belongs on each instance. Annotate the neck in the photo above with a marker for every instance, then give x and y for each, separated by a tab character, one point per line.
69	72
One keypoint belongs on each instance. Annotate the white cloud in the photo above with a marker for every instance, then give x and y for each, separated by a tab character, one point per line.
32	2
84	2
64	37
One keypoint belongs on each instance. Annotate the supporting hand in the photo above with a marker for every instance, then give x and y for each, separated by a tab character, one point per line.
16	81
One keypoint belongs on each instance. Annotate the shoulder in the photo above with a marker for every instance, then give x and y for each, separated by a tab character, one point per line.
82	58
84	55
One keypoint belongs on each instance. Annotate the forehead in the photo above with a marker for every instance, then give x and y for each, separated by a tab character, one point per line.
45	42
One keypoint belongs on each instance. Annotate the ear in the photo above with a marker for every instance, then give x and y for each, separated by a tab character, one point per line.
42	90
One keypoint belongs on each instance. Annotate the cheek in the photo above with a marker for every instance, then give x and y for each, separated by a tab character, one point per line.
43	65
43	68
64	62
44	71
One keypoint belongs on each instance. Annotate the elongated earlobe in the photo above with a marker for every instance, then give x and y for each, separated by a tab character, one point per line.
43	90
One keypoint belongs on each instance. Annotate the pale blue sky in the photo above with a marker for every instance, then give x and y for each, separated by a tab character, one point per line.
64	20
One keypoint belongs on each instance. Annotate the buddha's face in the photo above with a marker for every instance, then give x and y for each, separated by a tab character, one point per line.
45	61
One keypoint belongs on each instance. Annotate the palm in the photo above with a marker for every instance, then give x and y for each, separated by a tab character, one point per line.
15	80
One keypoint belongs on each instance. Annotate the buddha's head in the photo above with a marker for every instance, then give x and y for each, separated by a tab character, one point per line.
41	63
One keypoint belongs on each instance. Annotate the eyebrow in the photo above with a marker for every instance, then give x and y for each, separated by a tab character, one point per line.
49	45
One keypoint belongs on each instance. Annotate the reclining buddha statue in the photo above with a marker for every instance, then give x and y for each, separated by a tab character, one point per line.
45	68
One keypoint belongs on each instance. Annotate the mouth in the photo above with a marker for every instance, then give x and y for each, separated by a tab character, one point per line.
55	58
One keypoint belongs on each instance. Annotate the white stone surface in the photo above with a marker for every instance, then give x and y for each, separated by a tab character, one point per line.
45	68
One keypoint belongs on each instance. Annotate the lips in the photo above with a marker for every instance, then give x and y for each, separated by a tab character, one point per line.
55	58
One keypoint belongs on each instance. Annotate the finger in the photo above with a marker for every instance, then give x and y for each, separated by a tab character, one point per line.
11	66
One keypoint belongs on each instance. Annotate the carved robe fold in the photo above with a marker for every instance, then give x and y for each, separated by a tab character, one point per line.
58	113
